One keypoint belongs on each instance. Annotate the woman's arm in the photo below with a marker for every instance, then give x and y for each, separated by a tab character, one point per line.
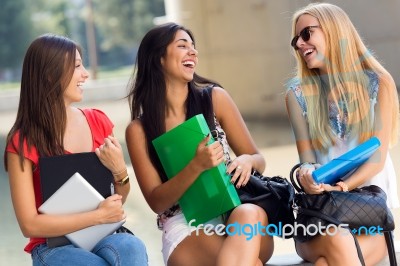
248	156
303	143
300	129
111	155
161	196
33	224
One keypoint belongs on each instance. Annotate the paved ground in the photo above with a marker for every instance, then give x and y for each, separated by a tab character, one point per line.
273	137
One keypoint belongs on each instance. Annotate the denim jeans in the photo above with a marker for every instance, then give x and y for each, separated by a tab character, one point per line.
120	249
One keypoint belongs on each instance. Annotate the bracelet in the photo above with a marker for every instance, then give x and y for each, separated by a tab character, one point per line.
343	186
123	181
120	172
308	165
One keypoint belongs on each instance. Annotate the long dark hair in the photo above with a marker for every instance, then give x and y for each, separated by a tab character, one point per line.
41	118
147	96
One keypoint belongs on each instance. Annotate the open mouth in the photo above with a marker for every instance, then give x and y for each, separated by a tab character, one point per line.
308	52
188	63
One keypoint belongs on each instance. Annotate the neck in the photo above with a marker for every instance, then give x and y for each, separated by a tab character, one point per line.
176	100
324	80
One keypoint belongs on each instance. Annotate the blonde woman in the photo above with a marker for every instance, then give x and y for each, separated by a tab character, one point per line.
340	97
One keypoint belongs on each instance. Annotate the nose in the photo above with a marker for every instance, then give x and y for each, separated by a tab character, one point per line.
193	51
85	73
300	42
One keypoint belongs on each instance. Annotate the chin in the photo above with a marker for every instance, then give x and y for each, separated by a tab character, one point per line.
189	79
313	65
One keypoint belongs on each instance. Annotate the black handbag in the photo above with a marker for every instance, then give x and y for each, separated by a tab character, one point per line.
275	195
362	210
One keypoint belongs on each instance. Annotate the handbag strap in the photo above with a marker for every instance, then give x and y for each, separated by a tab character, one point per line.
337	222
390	247
388	236
295	181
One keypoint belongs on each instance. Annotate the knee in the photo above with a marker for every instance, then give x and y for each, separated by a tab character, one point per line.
335	241
321	261
338	248
134	250
132	244
249	213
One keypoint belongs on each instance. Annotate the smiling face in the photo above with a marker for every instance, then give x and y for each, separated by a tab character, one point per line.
73	92
313	49
180	60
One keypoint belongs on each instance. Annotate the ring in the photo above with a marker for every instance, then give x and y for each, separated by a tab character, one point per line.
239	167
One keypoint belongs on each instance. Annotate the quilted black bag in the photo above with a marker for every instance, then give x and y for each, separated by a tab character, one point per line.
360	209
275	195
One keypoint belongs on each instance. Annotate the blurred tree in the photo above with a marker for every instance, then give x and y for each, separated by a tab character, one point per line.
51	16
119	27
15	29
121	24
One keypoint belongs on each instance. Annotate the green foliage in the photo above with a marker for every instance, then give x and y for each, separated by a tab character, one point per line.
119	26
122	23
51	16
15	28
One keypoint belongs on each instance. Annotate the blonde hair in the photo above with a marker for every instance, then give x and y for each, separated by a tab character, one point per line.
346	59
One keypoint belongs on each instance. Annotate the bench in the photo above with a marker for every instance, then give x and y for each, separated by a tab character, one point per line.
293	259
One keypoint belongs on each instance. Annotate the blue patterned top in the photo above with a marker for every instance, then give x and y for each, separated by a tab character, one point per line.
337	121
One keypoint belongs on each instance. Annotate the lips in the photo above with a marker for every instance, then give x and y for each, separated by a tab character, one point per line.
308	52
189	63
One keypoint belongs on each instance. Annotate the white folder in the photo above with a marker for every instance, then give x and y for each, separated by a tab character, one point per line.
76	195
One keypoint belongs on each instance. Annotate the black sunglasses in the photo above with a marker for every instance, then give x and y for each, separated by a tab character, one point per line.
305	34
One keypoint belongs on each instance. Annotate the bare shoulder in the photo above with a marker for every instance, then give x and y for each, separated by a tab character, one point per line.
386	81
387	88
219	93
134	131
222	101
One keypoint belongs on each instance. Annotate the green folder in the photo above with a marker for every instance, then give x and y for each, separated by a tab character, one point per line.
212	194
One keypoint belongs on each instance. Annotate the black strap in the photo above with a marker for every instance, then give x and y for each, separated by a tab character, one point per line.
337	222
390	247
295	181
388	236
207	94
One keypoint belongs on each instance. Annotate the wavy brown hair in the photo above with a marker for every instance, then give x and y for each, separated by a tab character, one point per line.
47	69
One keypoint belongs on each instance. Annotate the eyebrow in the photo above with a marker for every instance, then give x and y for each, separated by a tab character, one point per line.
185	40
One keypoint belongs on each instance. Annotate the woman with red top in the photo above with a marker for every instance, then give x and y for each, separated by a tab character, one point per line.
46	125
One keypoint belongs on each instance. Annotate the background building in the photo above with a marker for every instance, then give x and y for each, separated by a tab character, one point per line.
244	44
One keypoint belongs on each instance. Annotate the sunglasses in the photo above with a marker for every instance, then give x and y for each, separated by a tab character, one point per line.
305	34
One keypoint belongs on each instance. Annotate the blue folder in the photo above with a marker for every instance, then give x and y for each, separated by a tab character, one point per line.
341	166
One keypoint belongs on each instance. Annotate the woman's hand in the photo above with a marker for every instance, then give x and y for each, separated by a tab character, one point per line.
208	155
306	180
111	210
111	155
241	168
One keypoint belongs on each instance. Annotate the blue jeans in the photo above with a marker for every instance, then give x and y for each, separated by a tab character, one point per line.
120	249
